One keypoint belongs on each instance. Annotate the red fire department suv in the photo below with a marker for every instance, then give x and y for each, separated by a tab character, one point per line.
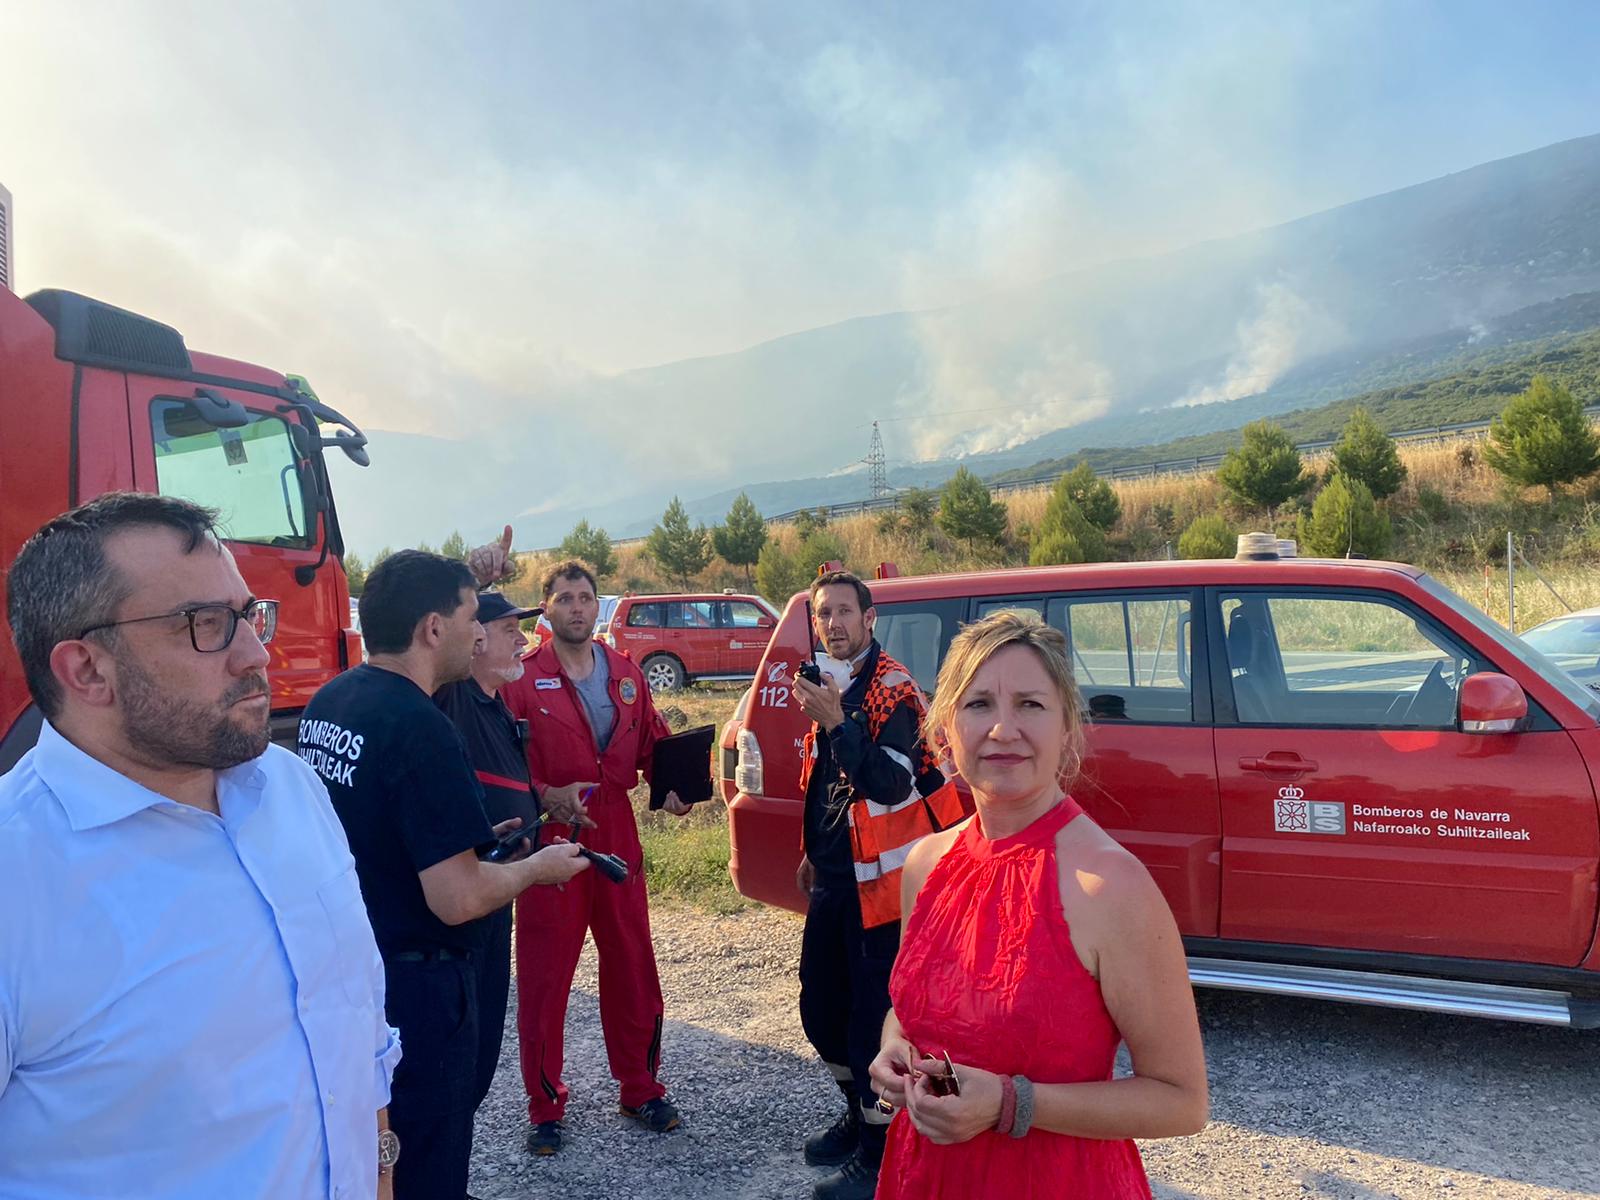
1347	781
679	639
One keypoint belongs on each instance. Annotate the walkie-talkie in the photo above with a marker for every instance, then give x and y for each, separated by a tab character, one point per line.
609	865
808	669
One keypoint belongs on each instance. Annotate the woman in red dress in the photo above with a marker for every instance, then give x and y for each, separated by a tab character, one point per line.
1033	945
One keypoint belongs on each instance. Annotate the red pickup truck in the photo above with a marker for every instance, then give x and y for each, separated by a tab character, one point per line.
1348	782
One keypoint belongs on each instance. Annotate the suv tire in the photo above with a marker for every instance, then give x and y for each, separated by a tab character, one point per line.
663	673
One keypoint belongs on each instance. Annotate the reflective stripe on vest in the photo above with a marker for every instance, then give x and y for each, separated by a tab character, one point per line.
883	843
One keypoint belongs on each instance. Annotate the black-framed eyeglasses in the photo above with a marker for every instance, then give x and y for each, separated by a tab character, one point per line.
212	626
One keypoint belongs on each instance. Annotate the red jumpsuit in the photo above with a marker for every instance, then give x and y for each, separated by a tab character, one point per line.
551	923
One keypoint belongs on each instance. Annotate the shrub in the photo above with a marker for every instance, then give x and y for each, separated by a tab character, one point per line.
1365	452
1094	497
1207	537
968	512
1345	520
1542	438
1265	469
1066	535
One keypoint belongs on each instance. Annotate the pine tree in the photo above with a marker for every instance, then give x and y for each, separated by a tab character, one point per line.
741	536
967	511
592	545
1265	469
1066	534
1095	498
807	522
919	506
1345	520
455	546
681	550
779	574
1207	537
1367	453
1543	438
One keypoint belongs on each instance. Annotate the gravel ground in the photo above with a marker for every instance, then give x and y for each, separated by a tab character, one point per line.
1308	1100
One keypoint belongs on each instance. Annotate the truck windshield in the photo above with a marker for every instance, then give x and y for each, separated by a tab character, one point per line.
249	475
1547	668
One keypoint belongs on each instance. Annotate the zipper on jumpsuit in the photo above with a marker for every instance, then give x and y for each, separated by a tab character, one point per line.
583	715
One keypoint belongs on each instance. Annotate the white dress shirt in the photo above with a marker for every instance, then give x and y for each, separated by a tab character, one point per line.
191	1006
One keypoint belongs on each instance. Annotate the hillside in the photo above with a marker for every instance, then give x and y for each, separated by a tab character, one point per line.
1297	314
1473	395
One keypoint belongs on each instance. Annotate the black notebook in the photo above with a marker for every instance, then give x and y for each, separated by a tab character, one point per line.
682	764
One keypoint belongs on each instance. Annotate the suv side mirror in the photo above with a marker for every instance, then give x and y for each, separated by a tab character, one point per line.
1491	703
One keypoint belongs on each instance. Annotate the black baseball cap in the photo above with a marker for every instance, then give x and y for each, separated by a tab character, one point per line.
492	606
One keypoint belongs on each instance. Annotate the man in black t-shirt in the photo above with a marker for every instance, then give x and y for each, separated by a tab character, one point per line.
496	751
397	771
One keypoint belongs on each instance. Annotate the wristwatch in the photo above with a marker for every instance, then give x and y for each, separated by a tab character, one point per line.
388	1150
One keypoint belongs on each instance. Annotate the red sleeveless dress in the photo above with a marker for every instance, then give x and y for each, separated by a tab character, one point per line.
987	971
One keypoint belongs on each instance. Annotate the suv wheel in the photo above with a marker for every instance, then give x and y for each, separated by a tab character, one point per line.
663	673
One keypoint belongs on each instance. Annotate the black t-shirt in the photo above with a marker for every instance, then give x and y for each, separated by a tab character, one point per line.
495	750
400	781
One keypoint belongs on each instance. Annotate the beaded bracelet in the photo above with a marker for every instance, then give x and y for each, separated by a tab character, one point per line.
1008	1105
1024	1115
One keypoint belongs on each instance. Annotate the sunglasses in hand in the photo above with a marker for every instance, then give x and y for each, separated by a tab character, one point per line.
940	1085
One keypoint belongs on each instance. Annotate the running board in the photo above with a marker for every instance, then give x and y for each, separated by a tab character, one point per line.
1457	997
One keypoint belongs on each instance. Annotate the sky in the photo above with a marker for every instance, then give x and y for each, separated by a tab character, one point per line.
420	206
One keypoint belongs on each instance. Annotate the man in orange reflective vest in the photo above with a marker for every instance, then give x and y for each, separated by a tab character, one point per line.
867	779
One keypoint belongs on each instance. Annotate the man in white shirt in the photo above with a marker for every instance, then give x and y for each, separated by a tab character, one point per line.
191	1002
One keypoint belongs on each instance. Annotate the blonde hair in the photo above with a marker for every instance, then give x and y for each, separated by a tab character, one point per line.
980	641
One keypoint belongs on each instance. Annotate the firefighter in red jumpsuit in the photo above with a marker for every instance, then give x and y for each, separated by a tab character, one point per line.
592	728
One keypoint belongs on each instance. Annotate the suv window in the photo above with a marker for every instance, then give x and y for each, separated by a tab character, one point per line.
1343	661
741	614
643	615
249	475
1130	655
916	634
698	614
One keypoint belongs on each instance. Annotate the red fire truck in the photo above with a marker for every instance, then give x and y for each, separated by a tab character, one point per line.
1348	782
96	399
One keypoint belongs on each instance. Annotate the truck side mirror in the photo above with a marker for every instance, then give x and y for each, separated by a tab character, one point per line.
1491	703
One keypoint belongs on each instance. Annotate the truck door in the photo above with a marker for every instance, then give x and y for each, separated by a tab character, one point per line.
254	477
1355	814
1148	777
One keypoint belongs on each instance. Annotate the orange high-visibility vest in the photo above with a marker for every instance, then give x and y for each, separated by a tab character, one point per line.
881	835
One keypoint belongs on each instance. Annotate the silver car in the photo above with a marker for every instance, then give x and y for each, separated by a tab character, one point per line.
1573	643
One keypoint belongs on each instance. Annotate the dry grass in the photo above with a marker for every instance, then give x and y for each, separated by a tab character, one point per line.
686	858
1486	588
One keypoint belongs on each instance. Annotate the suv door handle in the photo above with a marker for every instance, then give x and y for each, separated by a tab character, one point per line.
1279	762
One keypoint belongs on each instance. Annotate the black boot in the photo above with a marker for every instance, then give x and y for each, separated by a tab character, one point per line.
857	1179
837	1142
